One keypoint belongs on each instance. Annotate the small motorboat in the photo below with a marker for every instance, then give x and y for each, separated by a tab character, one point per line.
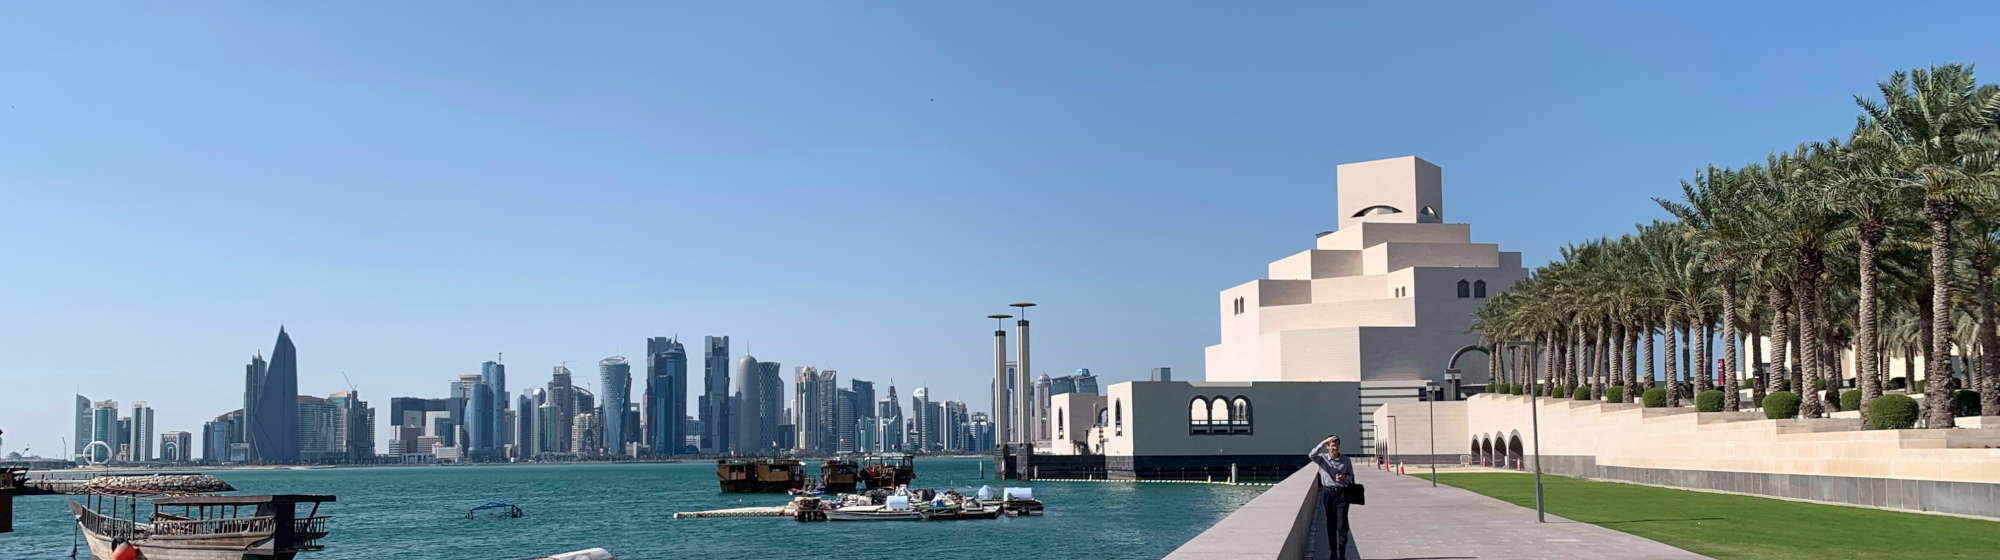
1020	501
495	510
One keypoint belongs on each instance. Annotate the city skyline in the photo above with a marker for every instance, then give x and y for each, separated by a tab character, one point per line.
430	211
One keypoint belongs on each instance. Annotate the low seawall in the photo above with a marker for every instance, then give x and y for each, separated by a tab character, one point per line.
1275	524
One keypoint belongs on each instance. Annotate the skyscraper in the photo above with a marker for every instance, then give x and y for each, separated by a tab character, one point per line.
318	429
771	407
176	447
354	435
142	432
83	427
270	410
494	374
921	424
864	397
562	395
617	376
890	416
479	419
528	424
843	421
715	426
103	429
666	395
1162	374
220	435
809	399
745	405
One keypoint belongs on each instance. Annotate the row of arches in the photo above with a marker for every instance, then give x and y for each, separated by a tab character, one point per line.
1497	450
1475	289
1219	415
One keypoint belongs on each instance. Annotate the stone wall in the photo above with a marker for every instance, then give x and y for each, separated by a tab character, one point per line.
1829	460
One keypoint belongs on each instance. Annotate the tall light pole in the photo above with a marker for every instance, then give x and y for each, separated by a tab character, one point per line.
1431	393
1002	430
1395	440
1024	410
1535	428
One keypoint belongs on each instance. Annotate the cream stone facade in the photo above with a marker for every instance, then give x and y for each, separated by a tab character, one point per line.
1382	301
1828	459
1368	314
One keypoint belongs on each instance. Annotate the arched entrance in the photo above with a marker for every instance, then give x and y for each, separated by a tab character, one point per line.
1514	455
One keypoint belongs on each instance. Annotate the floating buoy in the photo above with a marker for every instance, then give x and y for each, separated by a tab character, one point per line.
125	551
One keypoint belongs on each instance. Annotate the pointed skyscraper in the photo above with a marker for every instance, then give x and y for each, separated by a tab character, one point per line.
272	429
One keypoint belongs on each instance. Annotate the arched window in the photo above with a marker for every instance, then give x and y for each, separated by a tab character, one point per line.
1377	209
1464	289
1429	214
1103	417
1218	414
1479	289
1059	424
1241	415
1118	418
1198	416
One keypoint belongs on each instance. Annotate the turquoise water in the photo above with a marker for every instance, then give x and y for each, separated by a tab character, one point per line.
417	512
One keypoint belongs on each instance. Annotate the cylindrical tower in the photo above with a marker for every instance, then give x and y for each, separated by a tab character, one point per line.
1023	412
1000	386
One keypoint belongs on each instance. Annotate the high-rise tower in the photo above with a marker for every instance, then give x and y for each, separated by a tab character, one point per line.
744	407
271	429
715	426
617	377
666	395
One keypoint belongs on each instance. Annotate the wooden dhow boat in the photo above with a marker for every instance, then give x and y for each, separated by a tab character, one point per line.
838	475
760	475
888	471
201	526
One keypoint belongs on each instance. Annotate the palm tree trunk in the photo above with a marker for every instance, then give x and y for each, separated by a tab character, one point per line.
1631	363
1731	400
1617	357
1757	390
1687	357
1940	214
1989	341
1809	354
1701	368
1651	371
1597	363
1866	347
1781	365
1673	364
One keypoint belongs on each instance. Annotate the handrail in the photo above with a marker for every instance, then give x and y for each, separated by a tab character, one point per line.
1275	524
226	526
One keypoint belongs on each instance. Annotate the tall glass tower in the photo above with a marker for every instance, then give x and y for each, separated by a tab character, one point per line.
617	376
270	410
666	395
715	426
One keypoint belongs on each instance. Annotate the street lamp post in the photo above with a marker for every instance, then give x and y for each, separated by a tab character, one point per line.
1535	431
1395	441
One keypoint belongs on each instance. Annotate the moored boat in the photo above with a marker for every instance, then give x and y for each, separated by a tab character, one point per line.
888	471
207	527
838	475
759	475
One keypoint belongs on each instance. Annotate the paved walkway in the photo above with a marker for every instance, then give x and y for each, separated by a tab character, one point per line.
1407	519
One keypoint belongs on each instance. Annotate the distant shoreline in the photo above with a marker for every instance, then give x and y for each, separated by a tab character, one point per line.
190	468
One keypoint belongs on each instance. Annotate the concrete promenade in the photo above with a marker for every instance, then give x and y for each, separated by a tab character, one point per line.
1408	519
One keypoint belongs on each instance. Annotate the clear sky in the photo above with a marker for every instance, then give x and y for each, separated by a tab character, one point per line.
413	188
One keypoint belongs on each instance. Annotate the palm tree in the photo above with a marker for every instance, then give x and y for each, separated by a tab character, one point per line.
1720	228
1868	194
1935	130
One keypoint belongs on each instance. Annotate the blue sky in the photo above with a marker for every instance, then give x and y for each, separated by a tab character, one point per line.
411	189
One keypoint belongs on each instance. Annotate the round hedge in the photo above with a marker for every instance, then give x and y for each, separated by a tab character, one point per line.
1708	401
1614	394
1781	404
1850	400
1892	412
1581	394
1654	397
1965	403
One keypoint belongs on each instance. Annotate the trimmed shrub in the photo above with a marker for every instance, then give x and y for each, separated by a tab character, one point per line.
1917	386
1898	383
1892	412
1654	397
1708	401
1850	400
1581	394
1614	394
1781	404
1965	403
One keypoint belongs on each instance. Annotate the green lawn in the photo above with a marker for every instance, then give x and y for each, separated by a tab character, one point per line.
1731	526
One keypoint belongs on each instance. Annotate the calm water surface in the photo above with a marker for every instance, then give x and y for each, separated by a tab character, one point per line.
417	512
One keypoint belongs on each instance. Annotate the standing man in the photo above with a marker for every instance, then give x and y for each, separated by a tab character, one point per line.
1335	473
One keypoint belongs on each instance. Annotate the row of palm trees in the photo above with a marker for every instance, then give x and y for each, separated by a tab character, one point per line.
1885	242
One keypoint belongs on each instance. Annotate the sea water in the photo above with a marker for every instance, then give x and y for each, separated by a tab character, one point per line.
419	512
